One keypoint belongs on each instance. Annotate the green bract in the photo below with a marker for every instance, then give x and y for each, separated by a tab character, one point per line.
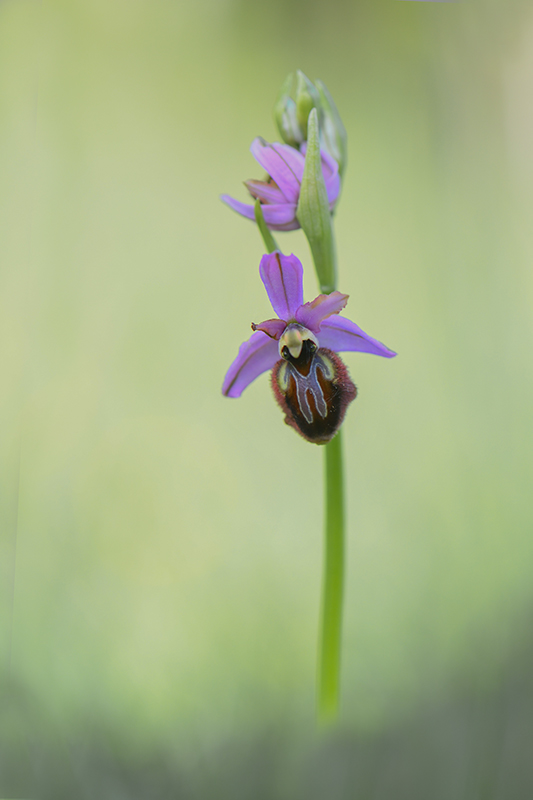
313	210
332	131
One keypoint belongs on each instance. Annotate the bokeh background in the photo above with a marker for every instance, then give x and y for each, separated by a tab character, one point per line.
160	546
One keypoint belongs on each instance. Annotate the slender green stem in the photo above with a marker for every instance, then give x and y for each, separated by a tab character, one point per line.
314	216
268	239
333	584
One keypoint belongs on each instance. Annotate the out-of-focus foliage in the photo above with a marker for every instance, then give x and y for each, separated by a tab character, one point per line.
160	546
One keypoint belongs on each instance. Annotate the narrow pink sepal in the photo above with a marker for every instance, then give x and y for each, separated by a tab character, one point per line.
241	208
277	217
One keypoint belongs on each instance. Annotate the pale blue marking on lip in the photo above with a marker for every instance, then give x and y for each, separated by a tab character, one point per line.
311	384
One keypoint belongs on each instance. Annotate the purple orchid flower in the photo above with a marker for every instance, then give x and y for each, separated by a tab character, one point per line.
309	380
280	193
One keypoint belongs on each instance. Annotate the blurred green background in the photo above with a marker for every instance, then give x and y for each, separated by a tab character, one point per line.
160	546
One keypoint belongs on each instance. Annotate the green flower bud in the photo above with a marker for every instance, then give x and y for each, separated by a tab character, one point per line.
291	116
285	115
333	132
307	98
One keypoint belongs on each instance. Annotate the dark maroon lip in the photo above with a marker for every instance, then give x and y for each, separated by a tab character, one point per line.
301	407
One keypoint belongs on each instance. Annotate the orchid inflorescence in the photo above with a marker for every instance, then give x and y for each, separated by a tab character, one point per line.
300	346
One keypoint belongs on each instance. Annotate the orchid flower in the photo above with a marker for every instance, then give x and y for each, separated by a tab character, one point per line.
309	380
280	193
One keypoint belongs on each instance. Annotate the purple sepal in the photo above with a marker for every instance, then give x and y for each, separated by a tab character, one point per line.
341	334
283	279
241	208
283	163
277	217
257	355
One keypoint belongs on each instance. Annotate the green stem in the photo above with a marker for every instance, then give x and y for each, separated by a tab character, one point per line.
314	216
269	241
333	583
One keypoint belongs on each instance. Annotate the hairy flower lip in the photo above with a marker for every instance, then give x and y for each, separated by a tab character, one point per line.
315	399
282	277
279	194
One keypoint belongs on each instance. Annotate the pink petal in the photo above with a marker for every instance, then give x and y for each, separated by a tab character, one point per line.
272	327
257	355
266	192
284	164
341	334
311	314
283	279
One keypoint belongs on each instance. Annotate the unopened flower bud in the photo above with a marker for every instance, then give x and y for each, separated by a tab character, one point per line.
285	115
332	130
307	98
291	115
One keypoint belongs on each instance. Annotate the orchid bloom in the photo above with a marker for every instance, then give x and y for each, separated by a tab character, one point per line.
280	193
309	380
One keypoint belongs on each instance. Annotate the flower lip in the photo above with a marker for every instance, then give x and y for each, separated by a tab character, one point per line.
314	395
